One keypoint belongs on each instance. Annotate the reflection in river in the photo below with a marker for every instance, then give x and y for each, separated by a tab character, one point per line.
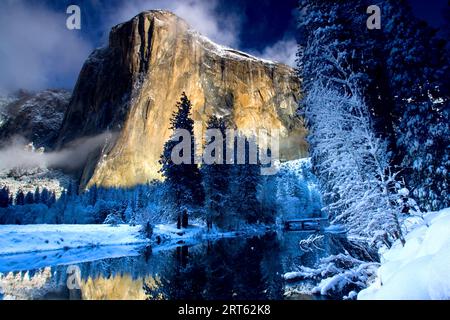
233	268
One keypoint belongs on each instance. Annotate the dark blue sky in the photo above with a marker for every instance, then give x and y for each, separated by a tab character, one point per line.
37	51
262	22
430	10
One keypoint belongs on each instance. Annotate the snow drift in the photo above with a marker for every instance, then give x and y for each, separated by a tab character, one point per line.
420	269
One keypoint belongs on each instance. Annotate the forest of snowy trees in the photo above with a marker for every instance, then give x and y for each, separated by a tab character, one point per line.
377	106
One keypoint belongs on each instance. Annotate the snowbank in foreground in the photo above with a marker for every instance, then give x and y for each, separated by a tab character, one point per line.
420	269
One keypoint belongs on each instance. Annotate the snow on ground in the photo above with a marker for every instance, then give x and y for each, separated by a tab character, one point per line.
27	247
30	238
420	269
41	259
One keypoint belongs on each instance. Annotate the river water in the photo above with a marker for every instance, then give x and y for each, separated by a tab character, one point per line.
243	268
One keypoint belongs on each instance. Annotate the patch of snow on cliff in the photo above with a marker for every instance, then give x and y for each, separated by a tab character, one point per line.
41	107
4	101
224	51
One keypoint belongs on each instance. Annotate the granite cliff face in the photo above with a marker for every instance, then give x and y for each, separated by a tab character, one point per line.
131	87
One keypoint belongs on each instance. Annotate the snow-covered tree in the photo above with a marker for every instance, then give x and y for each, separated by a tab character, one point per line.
424	138
294	195
352	164
113	219
351	157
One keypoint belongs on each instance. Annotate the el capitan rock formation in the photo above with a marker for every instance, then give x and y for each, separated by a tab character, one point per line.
131	87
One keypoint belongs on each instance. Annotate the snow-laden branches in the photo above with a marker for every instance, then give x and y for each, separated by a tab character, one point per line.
314	241
352	163
337	275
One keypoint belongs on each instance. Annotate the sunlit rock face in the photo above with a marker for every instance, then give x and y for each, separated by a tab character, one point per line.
132	87
50	284
121	287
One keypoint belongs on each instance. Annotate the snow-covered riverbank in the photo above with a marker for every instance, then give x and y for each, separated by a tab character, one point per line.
32	238
24	247
420	269
34	246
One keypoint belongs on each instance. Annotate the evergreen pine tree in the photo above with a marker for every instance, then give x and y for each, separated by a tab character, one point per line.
244	184
418	66
93	195
29	198
401	71
4	197
45	197
183	180
52	199
216	179
20	198
268	190
37	196
348	156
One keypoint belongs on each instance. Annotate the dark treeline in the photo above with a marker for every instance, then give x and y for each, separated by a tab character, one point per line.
20	198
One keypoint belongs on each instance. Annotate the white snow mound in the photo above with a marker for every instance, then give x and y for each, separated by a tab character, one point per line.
421	269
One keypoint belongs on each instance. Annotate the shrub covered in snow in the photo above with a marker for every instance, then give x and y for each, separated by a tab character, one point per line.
114	219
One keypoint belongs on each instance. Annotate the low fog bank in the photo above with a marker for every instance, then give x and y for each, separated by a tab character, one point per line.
19	153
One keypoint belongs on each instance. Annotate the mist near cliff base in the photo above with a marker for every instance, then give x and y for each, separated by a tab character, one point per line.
19	153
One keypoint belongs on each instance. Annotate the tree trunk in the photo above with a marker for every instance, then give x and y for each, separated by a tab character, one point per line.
185	220
179	222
